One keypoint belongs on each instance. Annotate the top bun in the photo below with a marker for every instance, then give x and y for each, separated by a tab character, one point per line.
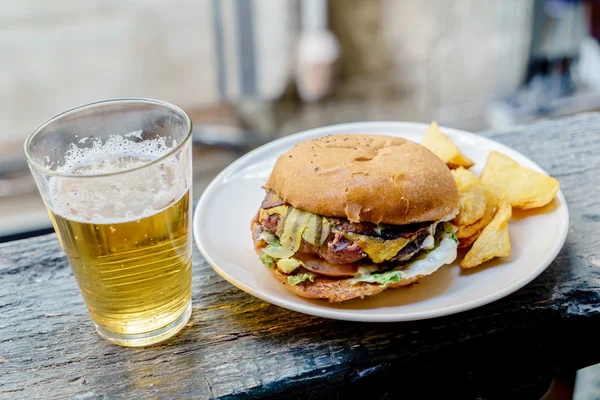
366	178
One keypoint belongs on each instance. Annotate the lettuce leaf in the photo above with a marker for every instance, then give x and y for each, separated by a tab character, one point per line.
296	279
450	231
453	236
449	228
383	278
274	249
267	259
269	237
425	263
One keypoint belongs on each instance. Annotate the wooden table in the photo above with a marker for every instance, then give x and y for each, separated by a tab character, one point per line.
236	344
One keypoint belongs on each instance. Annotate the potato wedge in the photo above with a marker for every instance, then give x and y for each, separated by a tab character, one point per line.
491	204
444	148
494	240
472	200
522	187
466	242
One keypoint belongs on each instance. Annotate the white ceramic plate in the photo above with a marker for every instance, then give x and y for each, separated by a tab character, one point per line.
222	233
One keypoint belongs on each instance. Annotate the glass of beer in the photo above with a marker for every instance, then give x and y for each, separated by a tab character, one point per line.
116	179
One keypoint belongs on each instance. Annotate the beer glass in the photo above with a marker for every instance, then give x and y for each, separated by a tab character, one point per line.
116	179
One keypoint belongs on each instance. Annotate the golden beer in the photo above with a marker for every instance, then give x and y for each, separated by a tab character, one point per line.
116	176
134	276
128	243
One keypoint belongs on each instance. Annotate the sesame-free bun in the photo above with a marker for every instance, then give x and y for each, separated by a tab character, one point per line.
366	178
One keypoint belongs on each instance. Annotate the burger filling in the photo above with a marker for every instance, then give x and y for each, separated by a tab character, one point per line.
305	245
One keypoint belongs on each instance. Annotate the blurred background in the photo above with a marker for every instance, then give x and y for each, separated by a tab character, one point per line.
249	71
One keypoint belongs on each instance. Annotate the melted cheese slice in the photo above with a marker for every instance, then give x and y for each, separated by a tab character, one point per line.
281	210
378	249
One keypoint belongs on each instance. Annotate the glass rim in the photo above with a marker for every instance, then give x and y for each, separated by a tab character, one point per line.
50	120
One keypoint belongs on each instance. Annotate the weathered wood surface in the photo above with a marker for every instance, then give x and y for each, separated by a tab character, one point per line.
236	344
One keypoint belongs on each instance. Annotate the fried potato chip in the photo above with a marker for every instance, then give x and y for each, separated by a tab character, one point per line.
444	148
491	204
494	240
471	205
523	187
466	242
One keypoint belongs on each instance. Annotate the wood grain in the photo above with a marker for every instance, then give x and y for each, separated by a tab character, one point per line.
238	345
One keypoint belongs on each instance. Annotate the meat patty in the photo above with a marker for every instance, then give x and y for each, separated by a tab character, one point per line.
341	250
411	248
337	249
272	223
385	232
271	200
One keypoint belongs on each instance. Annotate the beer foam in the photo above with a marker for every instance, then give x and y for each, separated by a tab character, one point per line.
124	197
77	157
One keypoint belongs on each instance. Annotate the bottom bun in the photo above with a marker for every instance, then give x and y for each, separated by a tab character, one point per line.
337	289
333	289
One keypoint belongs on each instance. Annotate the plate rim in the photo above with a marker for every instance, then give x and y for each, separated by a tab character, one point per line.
351	315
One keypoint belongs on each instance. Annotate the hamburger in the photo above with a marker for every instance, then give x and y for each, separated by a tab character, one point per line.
349	216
